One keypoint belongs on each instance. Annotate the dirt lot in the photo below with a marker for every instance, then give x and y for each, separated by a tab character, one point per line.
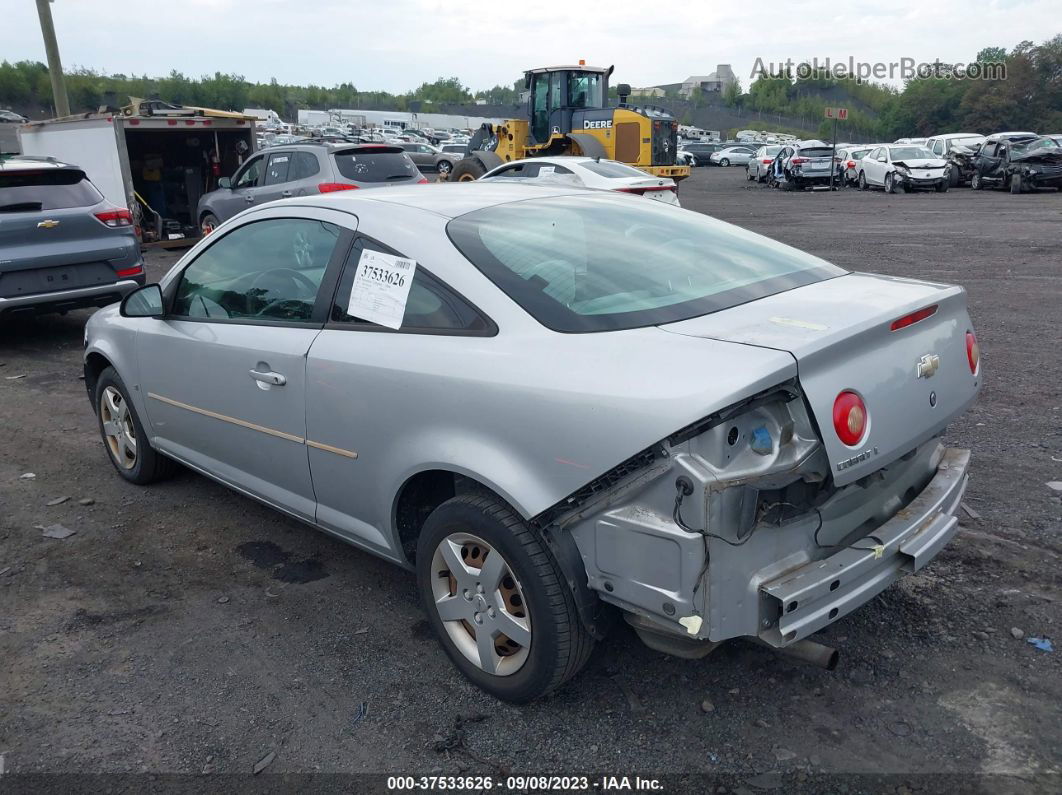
187	629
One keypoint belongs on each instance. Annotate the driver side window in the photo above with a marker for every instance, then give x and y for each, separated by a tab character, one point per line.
251	176
268	270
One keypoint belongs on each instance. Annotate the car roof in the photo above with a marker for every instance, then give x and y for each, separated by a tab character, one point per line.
446	199
948	136
34	163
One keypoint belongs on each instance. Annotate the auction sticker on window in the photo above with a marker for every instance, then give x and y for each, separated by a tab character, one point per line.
381	288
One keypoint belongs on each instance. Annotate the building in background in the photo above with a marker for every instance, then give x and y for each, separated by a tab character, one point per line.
715	82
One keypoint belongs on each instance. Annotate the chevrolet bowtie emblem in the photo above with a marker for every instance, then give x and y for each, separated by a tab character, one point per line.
49	224
928	365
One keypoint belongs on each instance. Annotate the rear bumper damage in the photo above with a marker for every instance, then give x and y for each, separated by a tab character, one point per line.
818	593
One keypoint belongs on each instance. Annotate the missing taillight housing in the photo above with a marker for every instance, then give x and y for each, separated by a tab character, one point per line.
973	352
913	317
115	218
850	418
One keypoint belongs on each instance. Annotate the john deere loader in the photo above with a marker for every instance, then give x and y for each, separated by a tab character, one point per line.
568	114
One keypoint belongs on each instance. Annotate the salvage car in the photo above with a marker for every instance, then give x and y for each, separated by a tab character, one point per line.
63	245
588	172
1020	165
732	156
487	384
959	149
759	164
303	170
847	160
902	168
803	165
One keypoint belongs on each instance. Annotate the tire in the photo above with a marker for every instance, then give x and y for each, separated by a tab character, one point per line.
942	187
954	177
208	223
444	167
120	428
890	184
863	181
748	175
724	162
467	169
1015	184
975	181
558	643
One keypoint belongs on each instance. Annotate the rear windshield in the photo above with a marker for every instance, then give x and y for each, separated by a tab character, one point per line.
30	191
816	151
368	166
910	153
612	170
600	263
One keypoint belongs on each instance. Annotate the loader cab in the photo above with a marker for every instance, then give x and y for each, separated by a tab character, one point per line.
556	92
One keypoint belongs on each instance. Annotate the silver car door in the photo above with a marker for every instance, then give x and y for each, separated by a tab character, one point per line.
223	372
276	182
244	190
362	380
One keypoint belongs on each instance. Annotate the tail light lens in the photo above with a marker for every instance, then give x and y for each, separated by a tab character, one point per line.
117	217
973	352
422	181
332	187
796	161
127	272
849	418
767	162
850	164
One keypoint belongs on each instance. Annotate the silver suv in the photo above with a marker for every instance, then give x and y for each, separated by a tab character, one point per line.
431	157
62	245
305	169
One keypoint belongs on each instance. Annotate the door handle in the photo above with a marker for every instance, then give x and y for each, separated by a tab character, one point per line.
248	198
286	194
269	377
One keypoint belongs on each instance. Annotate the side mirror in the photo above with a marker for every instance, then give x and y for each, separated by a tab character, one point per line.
225	182
145	302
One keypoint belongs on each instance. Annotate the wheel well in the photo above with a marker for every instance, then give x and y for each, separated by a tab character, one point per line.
422	494
95	364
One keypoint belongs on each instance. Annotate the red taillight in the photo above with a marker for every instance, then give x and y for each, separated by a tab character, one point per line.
973	352
332	187
796	161
119	217
914	317
850	164
849	418
767	162
135	271
422	181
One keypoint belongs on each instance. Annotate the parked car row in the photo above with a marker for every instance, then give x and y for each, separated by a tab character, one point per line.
1018	161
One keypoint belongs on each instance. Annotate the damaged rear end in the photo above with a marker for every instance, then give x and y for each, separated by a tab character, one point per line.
794	506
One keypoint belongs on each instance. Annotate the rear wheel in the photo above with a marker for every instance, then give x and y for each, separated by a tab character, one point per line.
467	170
497	600
862	181
444	167
123	434
724	162
208	223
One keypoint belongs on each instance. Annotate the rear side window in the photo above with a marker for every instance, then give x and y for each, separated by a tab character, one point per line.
303	166
431	306
277	170
369	166
30	191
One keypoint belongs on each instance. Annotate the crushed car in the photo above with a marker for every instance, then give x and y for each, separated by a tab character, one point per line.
899	168
484	383
1022	165
808	164
959	149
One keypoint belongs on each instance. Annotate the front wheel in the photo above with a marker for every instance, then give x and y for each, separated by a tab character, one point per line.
1015	183
467	169
891	186
942	187
444	167
208	223
975	182
748	175
123	433
497	600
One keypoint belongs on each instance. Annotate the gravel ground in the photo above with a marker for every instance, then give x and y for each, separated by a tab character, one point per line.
186	629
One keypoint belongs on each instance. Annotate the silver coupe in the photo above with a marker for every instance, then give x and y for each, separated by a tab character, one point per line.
558	406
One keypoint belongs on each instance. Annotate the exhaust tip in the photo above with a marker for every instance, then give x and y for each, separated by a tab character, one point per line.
831	661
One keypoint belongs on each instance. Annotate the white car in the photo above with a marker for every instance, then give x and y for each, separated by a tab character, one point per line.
683	157
587	172
903	167
847	160
732	156
916	141
759	166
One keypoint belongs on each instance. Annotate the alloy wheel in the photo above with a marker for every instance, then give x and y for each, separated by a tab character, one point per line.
118	429
481	604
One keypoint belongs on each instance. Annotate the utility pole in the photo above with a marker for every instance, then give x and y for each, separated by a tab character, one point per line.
55	66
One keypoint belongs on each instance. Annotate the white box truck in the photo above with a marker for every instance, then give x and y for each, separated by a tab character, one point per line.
157	166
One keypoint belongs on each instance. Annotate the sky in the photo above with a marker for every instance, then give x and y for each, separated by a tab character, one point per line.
395	45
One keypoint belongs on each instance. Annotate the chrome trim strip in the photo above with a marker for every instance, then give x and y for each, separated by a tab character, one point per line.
252	426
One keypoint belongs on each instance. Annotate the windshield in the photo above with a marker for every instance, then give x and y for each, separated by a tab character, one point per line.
1036	143
600	263
911	153
368	166
858	154
584	90
612	169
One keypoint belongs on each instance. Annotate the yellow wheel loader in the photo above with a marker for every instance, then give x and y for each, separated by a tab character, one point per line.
568	114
